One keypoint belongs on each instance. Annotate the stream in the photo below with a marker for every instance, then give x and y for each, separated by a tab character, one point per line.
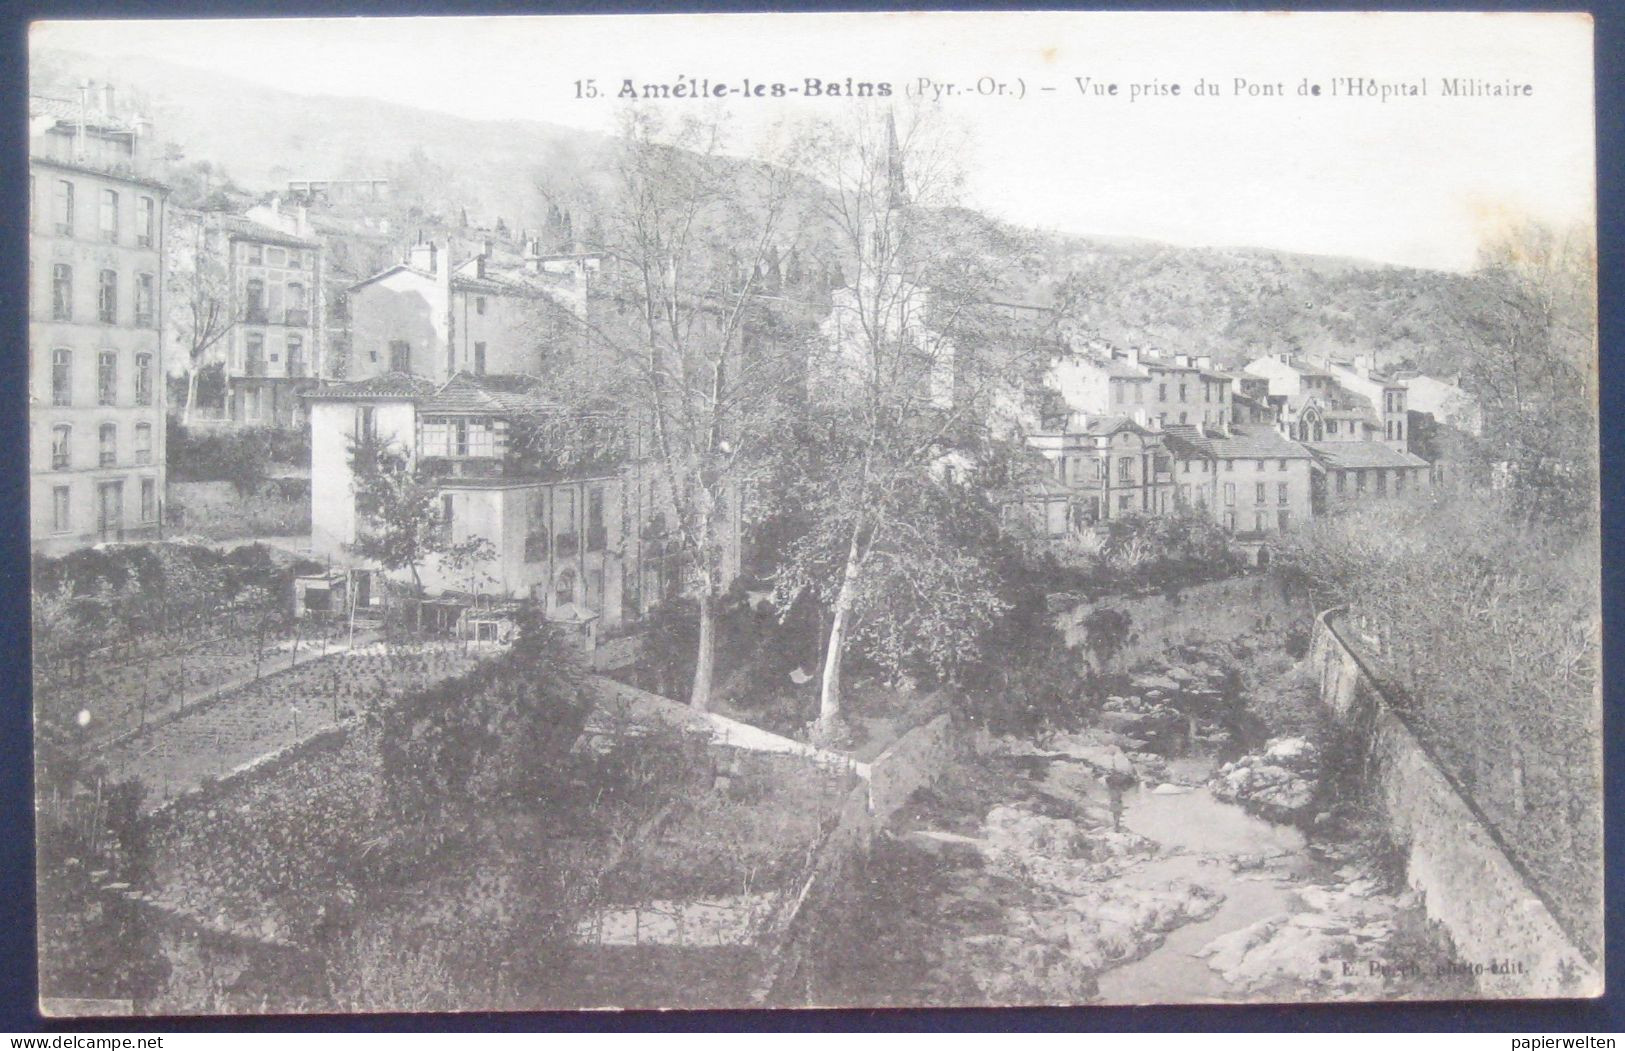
1200	837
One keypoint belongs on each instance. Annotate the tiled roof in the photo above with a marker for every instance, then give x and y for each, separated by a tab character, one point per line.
1110	425
495	395
1245	442
1346	455
70	110
241	226
398	385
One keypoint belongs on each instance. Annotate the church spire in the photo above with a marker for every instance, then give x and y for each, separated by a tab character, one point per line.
895	177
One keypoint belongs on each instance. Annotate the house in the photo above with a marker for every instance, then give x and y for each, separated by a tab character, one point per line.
1248	478
1107	467
1387	394
96	390
578	519
491	313
1155	391
1353	472
275	351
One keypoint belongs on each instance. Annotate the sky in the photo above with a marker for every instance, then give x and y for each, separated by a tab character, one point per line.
1408	179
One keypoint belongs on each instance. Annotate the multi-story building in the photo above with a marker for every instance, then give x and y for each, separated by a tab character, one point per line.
488	314
1252	481
588	535
96	373
1107	466
275	350
1355	472
1385	393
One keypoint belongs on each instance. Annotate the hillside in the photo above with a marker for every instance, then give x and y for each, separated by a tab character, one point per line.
1233	303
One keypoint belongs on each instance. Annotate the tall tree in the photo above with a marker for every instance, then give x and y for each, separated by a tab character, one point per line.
911	365
681	334
198	292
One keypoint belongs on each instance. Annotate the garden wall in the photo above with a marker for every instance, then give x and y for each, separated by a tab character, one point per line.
1219	609
1496	916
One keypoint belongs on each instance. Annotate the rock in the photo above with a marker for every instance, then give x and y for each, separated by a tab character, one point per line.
1166	789
1294	753
1024	832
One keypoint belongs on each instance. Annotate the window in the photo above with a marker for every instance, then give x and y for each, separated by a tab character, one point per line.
1359	481
297	314
1183	417
256	255
144	296
109	216
1230	521
254	354
276	257
564	589
595	520
1230	465
106	377
479	304
1125	502
366	425
107	445
1185	468
1281	494
400	356
1230	494
1399	482
61	447
1125	469
1331	426
564	522
107	298
143	379
1388	429
1139	391
1261	465
149	499
61	377
60	520
254	300
143	443
1258	492
1258	522
64	207
1185	493
296	259
1182	392
479	359
1281	466
1382	482
62	292
1399	430
1162	392
145	218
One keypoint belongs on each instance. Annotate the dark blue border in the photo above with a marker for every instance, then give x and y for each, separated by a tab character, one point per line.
17	950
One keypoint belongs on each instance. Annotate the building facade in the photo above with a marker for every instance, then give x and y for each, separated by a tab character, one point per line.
490	314
96	371
590	538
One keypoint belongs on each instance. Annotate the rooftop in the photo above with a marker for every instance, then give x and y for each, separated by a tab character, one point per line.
1357	455
399	386
1245	442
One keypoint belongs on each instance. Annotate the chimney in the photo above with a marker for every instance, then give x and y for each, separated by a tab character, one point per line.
425	256
302	220
1182	360
1133	355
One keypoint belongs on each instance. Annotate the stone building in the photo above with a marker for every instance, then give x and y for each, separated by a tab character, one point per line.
576	515
1248	478
96	389
491	313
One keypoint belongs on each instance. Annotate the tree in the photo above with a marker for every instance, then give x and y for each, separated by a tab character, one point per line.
691	348
911	364
198	291
1531	328
402	525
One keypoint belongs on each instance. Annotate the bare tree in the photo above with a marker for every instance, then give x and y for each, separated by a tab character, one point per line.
911	366
198	293
681	330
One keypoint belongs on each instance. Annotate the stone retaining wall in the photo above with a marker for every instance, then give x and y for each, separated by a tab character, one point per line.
1470	884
